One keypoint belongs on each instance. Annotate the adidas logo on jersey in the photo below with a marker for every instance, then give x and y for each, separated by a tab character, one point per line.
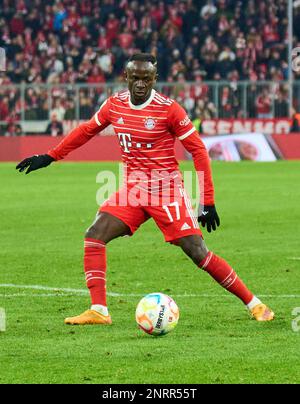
121	120
185	226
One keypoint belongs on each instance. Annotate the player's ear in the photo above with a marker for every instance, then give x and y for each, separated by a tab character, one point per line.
155	78
125	75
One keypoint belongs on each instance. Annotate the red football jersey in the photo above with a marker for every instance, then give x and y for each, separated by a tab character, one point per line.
146	132
147	135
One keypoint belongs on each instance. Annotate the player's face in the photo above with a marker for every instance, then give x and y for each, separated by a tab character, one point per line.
141	77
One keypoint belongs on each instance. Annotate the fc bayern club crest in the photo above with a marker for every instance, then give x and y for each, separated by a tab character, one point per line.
149	123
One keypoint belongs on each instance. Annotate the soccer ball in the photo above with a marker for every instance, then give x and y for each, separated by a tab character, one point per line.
157	314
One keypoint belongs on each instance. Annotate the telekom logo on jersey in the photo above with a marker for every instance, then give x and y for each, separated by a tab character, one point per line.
126	142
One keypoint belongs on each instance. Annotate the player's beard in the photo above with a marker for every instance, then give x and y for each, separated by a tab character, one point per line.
139	97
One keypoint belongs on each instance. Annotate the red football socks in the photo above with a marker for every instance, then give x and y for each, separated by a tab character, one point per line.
95	269
222	272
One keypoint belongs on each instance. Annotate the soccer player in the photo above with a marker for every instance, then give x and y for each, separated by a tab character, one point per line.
147	124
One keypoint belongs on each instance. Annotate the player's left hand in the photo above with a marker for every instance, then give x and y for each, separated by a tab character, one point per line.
208	216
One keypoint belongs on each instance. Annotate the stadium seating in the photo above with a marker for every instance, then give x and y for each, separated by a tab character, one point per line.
87	42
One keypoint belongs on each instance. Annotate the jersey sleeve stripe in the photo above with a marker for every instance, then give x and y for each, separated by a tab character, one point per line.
185	135
96	119
96	114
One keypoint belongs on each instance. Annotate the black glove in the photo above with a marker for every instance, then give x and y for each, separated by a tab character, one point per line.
208	216
35	162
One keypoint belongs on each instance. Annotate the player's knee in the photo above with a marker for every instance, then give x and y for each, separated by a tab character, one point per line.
194	247
91	232
197	254
95	232
106	228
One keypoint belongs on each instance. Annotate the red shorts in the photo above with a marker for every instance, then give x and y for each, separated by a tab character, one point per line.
174	217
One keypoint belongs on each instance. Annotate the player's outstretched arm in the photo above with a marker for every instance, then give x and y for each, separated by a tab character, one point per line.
34	163
76	138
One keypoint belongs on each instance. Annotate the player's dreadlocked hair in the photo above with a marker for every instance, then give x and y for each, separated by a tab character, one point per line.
143	57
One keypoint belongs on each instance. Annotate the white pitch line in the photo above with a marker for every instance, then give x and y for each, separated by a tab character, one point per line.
40	287
66	291
34	295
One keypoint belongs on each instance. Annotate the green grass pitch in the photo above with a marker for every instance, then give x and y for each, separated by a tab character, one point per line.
43	220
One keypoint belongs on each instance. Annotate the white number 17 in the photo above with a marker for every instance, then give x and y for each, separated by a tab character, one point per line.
177	211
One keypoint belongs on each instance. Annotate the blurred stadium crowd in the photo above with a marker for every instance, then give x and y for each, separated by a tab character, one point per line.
88	42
